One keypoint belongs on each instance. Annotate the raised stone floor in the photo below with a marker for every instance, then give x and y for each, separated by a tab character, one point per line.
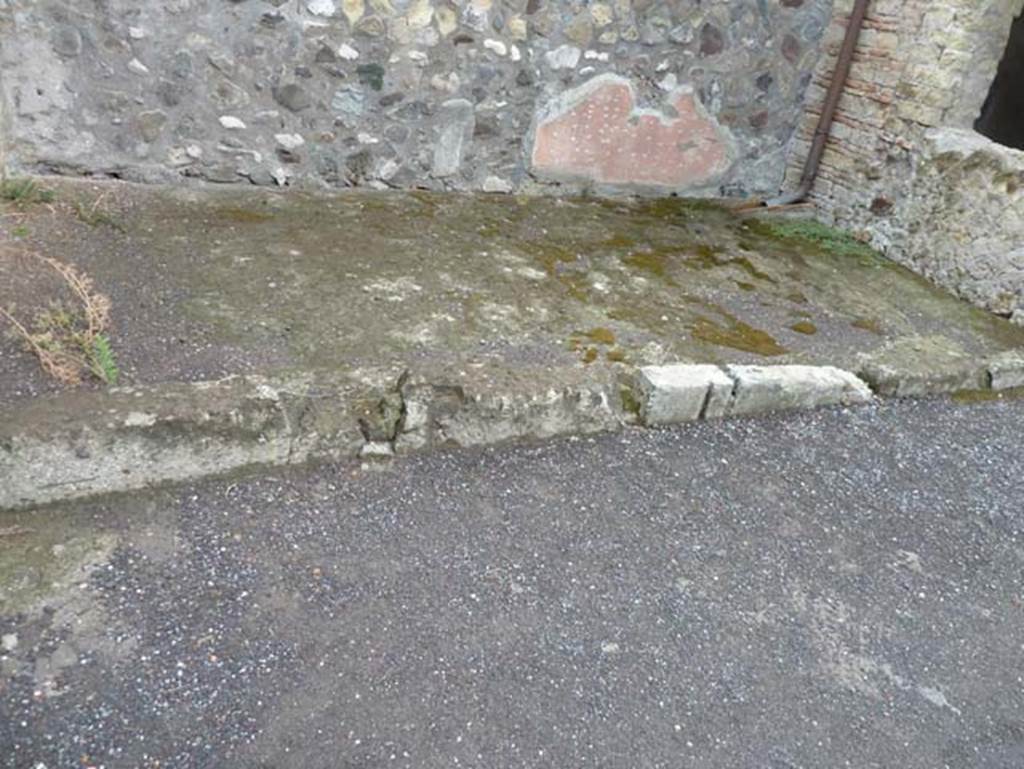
208	282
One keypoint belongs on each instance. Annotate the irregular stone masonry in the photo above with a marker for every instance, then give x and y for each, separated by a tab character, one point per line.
699	97
903	166
407	93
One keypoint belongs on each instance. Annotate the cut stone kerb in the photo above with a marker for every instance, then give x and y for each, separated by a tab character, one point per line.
761	389
596	132
683	392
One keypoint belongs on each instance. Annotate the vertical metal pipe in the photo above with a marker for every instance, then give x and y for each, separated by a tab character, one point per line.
828	112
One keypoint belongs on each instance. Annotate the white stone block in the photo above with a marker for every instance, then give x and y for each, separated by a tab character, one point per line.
776	388
682	393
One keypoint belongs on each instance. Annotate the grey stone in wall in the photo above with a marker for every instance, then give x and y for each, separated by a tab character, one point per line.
206	89
457	122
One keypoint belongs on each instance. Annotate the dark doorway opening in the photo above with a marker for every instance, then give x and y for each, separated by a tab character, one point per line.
1002	117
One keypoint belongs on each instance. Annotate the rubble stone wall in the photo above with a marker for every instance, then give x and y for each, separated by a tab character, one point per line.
688	96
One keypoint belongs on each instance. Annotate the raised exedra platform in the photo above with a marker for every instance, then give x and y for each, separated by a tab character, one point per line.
253	327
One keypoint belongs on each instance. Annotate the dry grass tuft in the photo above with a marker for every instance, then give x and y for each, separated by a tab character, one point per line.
67	334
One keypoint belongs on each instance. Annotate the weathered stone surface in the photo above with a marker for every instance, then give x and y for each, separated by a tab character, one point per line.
85	443
150	125
777	388
917	366
682	393
598	133
965	219
292	97
378	281
498	405
1007	370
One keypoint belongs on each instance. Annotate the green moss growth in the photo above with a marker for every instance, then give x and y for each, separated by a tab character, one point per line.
830	239
619	241
602	335
552	259
617	355
489	230
585	341
674	208
868	324
235	215
805	327
24	191
737	335
653	262
709	257
987	396
629	402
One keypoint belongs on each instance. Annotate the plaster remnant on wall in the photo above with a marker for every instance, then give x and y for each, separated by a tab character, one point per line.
596	132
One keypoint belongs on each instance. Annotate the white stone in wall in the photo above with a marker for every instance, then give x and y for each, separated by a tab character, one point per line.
289	141
321	7
457	123
496	46
563	57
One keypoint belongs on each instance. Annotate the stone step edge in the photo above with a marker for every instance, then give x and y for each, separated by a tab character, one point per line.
680	393
82	444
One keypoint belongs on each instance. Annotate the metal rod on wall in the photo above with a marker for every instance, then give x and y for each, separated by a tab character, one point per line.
828	112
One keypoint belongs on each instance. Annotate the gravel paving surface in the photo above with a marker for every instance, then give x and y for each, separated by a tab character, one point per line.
831	589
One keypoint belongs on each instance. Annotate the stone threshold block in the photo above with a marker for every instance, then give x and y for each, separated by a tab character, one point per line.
685	393
779	388
682	393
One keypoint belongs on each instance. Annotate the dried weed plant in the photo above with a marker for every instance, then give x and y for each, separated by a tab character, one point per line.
69	335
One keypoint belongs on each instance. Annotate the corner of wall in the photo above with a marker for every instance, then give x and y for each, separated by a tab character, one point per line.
922	65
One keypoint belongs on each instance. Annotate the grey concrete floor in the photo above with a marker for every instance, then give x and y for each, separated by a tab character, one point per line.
832	589
209	282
